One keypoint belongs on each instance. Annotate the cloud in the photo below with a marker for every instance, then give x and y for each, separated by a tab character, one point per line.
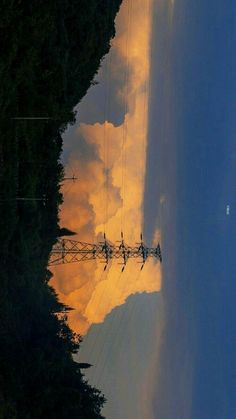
128	356
109	193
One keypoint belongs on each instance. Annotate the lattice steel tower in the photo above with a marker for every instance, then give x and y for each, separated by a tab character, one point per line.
70	251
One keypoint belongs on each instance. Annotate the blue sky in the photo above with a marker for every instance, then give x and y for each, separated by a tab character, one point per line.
197	377
190	179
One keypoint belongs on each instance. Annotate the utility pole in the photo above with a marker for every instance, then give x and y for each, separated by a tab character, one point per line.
29	199
24	198
31	117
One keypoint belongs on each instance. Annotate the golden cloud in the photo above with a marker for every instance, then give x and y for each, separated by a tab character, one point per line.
109	193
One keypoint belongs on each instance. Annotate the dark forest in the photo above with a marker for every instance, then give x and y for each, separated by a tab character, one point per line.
50	53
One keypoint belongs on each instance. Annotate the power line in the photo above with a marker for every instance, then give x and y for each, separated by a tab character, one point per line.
125	124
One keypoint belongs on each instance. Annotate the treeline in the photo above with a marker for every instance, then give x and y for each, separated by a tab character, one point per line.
54	48
50	52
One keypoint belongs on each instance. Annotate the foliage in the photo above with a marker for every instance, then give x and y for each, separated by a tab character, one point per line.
65	232
50	52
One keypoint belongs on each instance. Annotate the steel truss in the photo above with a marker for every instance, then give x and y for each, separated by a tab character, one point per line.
71	251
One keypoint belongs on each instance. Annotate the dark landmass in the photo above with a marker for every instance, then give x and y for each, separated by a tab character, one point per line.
50	52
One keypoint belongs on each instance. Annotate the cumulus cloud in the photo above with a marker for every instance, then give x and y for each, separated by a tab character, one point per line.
109	193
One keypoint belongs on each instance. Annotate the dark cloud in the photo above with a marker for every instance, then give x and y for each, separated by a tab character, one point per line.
77	147
102	102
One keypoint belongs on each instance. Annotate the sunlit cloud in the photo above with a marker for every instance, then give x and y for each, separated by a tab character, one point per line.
109	193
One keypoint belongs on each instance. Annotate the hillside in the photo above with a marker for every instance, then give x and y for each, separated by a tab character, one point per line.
50	53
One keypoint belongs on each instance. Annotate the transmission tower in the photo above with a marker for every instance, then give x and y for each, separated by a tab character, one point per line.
71	251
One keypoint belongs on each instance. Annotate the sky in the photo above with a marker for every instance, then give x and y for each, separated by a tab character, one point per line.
162	341
196	374
106	150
